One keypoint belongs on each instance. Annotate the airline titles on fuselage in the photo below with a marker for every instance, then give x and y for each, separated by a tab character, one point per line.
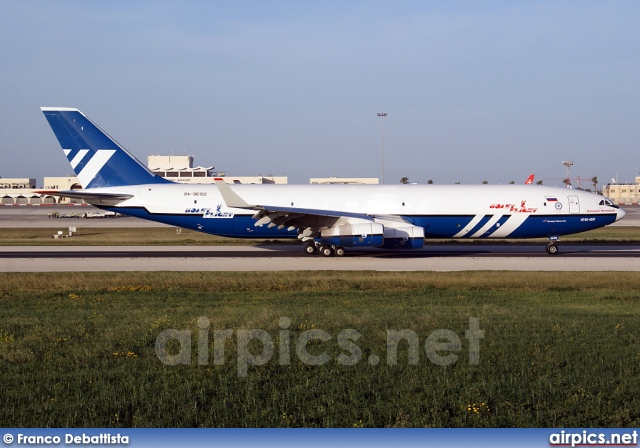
514	208
208	213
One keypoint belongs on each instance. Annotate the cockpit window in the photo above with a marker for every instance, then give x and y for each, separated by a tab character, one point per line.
608	203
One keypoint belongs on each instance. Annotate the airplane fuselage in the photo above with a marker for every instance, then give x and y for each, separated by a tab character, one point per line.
451	211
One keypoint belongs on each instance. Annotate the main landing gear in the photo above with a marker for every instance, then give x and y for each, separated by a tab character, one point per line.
552	247
324	249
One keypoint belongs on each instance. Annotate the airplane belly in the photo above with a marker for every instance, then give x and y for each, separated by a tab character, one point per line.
544	226
508	225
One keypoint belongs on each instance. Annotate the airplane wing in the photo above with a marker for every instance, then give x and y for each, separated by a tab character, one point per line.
92	198
308	221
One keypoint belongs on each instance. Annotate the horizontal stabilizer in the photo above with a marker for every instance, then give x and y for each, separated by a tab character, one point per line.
93	198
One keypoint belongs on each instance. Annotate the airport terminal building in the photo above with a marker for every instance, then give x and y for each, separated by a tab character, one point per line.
623	194
180	169
23	191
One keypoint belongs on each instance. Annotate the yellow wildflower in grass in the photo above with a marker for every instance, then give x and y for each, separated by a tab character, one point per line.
6	336
128	354
75	296
163	322
131	288
477	408
306	326
287	419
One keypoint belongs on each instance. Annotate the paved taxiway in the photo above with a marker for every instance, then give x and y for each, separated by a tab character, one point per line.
38	217
287	258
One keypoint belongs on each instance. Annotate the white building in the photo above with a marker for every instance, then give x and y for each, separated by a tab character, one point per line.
344	180
180	169
623	193
18	191
24	191
17	183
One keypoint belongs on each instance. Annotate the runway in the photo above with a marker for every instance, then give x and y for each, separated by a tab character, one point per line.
287	258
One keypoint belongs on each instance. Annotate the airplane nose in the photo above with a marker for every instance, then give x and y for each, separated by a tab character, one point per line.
620	214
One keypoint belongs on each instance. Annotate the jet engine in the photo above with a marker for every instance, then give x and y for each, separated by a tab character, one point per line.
408	237
369	234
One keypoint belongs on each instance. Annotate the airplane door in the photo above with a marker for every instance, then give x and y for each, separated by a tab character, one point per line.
574	205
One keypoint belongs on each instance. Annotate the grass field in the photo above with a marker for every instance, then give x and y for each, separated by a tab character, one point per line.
114	236
559	350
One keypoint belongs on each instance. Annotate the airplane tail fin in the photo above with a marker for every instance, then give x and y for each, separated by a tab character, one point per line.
97	159
529	180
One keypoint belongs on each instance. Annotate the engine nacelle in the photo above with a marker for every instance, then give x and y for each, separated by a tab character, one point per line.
409	237
369	234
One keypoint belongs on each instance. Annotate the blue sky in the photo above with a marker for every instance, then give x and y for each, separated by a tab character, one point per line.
474	91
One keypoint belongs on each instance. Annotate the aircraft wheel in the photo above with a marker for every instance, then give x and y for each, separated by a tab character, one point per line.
327	251
340	251
552	248
310	249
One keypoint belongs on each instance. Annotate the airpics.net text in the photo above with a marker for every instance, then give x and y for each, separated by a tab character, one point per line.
256	347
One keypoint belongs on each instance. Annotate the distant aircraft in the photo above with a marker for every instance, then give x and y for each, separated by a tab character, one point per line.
529	180
329	218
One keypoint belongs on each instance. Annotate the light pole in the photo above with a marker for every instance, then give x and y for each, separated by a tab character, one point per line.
568	164
382	115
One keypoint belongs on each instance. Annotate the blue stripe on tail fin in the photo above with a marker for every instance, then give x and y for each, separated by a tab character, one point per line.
97	159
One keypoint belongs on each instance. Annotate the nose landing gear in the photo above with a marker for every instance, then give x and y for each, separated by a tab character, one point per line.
552	247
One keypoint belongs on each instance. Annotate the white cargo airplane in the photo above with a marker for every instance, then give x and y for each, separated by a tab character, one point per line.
328	218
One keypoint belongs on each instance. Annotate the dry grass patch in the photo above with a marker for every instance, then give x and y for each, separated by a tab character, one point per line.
318	281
